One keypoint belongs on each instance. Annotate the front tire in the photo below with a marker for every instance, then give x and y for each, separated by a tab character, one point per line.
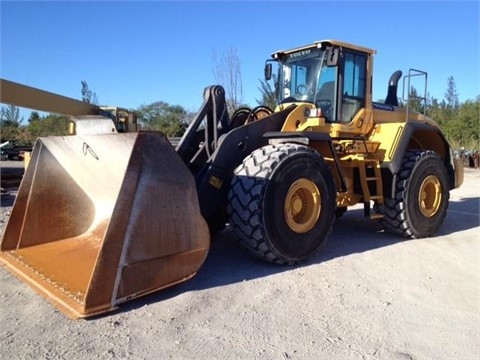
282	203
421	196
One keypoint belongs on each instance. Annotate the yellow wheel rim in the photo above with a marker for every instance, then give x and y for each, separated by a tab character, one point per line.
430	196
302	206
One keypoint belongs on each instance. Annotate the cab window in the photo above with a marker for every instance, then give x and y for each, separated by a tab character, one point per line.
354	84
326	98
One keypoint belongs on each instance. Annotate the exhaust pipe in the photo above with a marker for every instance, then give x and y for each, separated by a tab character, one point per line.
392	98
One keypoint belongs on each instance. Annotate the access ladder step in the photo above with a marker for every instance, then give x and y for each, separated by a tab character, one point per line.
375	178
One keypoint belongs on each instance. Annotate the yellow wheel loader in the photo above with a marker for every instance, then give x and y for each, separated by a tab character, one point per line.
102	217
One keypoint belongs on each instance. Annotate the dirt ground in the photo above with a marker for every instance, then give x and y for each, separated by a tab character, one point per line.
368	295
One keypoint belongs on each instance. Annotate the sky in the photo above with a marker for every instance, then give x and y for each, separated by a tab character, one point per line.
135	53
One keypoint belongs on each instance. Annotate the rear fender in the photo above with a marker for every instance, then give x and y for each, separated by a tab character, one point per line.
420	136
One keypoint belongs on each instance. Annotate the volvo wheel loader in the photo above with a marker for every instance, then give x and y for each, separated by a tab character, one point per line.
103	216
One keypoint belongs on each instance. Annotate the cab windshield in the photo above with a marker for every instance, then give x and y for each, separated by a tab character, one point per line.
304	76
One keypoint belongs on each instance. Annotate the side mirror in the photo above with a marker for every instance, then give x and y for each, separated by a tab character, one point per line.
332	57
268	71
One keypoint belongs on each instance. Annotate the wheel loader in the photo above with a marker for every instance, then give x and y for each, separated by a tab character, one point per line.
112	213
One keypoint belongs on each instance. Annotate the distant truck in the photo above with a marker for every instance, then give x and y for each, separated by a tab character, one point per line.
10	150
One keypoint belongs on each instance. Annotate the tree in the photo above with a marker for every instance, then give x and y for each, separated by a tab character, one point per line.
172	120
227	72
87	95
10	115
451	95
451	102
435	110
463	129
415	102
50	125
34	116
268	93
468	118
10	122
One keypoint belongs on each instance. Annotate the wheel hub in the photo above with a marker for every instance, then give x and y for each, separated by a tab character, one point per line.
430	196
302	206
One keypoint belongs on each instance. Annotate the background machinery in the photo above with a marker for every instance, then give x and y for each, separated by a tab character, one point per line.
103	217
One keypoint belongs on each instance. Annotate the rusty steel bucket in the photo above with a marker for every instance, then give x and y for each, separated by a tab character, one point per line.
102	219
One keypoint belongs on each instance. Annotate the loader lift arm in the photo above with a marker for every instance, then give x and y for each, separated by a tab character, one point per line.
200	140
211	149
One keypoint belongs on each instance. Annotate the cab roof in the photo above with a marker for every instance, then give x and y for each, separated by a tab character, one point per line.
322	44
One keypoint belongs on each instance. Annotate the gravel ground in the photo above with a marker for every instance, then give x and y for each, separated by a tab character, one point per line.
368	295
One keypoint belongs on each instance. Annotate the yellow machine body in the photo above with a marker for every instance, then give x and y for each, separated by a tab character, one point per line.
366	135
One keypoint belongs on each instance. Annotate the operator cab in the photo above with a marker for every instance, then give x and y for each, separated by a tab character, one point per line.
329	74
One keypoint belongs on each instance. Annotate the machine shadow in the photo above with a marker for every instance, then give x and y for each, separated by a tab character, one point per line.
228	263
462	214
6	198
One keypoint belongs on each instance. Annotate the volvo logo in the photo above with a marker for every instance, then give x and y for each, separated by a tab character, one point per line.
299	53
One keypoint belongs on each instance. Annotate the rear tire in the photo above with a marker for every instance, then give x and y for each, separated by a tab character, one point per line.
421	196
282	203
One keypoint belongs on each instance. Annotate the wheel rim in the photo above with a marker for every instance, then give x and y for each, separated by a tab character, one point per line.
302	206
430	196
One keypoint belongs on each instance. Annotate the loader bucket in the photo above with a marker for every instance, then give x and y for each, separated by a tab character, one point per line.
101	219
